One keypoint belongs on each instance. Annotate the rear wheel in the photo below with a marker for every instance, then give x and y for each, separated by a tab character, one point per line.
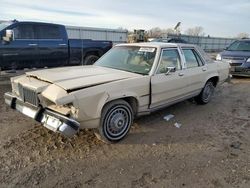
206	94
117	118
14	65
90	59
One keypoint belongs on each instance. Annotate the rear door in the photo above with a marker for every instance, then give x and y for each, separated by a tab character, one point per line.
53	45
23	50
196	70
166	89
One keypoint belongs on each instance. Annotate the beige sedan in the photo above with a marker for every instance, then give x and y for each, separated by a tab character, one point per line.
130	80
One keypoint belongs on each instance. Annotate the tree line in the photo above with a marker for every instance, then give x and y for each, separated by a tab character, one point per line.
157	32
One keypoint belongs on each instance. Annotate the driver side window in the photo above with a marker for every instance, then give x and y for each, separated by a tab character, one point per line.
169	58
24	31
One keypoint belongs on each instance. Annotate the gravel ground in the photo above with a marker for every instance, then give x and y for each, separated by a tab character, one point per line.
210	149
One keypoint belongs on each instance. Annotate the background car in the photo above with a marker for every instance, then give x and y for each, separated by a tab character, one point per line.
238	56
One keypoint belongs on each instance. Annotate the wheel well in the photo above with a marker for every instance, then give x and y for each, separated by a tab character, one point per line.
132	101
92	53
214	80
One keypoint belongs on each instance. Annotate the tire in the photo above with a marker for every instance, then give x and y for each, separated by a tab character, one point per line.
90	59
14	65
206	94
117	118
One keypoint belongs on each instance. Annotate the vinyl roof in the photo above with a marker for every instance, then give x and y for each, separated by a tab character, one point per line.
158	44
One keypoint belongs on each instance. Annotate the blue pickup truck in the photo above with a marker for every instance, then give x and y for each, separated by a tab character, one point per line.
34	44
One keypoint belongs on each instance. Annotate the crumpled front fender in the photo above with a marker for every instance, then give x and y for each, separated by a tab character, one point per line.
57	95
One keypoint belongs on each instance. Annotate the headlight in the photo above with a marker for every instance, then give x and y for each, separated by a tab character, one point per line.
248	60
218	57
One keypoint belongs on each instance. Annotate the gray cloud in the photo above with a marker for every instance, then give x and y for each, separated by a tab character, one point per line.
219	18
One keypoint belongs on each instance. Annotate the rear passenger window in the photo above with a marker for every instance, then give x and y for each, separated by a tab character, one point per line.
48	32
24	31
192	59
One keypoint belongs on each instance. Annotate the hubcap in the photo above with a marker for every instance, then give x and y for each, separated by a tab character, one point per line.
208	91
117	122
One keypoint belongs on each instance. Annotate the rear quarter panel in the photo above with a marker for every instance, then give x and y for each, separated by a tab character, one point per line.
223	70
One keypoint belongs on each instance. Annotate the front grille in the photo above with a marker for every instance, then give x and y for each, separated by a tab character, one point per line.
28	95
235	64
234	58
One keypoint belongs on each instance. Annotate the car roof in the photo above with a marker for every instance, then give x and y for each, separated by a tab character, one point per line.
158	44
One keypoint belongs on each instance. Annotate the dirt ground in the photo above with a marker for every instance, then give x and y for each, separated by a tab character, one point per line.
210	149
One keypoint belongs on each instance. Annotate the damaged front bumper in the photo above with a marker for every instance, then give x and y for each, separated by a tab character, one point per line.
50	119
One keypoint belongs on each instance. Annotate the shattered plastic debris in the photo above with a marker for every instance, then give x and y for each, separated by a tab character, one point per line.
168	117
177	125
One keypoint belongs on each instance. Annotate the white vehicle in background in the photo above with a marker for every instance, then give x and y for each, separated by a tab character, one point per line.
128	81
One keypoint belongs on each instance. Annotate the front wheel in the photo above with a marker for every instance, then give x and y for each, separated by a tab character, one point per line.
117	118
206	94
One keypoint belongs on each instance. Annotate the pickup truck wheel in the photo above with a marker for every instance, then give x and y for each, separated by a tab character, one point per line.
206	94
14	65
90	59
117	118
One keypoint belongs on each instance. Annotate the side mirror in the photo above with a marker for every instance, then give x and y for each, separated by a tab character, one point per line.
170	69
9	35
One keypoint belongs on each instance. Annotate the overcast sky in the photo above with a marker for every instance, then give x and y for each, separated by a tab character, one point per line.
225	18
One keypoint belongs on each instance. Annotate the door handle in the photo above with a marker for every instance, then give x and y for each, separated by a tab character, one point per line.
204	69
62	44
181	74
32	44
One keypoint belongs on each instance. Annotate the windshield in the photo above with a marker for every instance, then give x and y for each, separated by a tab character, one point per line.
129	58
4	25
240	46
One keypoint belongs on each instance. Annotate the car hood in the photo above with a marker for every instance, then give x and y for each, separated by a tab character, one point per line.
79	77
244	54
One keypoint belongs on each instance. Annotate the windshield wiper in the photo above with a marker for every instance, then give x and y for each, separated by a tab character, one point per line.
138	72
117	68
239	50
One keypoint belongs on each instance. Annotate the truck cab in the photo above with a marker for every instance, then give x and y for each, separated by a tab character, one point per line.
31	44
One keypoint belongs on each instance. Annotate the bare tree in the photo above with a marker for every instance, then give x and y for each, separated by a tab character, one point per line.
155	32
169	31
195	31
243	35
158	32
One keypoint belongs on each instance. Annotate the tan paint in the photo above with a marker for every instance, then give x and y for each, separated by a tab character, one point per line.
90	101
80	76
83	91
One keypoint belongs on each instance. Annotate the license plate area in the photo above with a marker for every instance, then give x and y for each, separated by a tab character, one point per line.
51	122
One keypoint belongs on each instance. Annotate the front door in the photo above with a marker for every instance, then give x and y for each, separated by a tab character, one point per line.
168	88
23	50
